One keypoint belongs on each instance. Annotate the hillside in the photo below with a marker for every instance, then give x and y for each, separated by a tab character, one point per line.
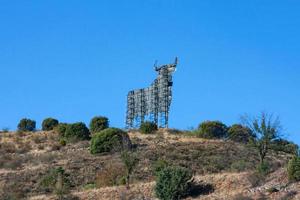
222	169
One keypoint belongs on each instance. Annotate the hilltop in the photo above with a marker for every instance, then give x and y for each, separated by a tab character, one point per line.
222	169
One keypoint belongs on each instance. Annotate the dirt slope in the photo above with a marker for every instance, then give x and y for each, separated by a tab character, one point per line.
223	169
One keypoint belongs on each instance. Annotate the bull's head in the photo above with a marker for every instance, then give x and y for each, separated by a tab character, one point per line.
170	67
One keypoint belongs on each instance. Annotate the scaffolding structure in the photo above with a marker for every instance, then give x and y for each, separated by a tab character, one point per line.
152	103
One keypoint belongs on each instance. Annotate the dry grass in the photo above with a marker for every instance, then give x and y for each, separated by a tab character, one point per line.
113	174
26	157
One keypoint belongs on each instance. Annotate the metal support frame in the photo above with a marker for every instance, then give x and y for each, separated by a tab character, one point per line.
152	103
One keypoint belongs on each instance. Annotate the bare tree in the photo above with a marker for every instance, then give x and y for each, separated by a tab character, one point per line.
265	128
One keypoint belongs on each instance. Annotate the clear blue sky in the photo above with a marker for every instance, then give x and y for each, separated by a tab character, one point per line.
73	60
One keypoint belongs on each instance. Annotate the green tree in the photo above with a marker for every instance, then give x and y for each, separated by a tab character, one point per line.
212	129
77	131
26	125
98	124
266	129
49	124
108	140
240	133
61	129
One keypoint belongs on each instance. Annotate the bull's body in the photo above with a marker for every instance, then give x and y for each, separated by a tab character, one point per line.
152	103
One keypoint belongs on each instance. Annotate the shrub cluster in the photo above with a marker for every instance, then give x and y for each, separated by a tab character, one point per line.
26	125
49	124
239	133
284	146
98	124
212	129
61	128
148	127
109	140
158	166
294	169
173	183
77	131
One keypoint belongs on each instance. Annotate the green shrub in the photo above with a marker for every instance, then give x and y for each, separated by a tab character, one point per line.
26	125
158	166
77	131
49	124
61	128
263	168
111	139
148	127
56	181
62	142
173	183
212	129
239	133
294	169
284	146
98	124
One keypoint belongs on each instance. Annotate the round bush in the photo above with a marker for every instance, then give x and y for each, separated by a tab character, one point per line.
148	127
77	131
61	128
239	133
173	183
108	140
98	124
49	124
294	169
212	129
26	125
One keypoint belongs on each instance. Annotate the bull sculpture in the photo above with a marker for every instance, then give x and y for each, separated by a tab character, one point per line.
152	103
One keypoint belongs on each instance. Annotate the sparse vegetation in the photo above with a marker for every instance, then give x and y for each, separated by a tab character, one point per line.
26	125
56	181
240	166
112	174
77	131
98	124
26	156
173	183
148	127
108	140
212	129
130	161
49	124
263	168
294	169
284	146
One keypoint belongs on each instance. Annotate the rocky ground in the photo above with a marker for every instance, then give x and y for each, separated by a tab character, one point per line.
223	169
